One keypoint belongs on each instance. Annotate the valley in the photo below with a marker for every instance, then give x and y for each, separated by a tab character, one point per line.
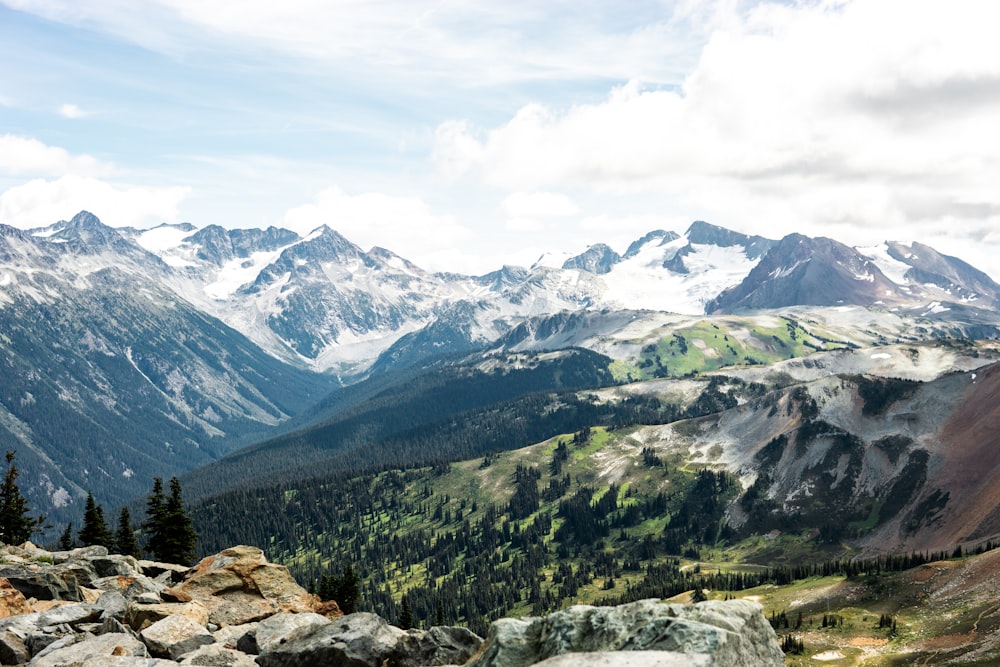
707	411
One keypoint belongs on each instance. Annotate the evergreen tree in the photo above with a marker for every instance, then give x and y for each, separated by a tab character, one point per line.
66	539
125	543
178	537
343	589
156	514
16	526
405	614
95	530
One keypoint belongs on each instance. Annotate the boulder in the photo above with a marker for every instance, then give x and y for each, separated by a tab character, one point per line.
733	633
629	659
174	636
280	629
70	614
140	616
214	655
239	586
53	583
441	645
12	601
355	640
97	650
13	647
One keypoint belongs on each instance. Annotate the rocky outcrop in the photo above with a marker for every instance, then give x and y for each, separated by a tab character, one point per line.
87	608
733	633
234	609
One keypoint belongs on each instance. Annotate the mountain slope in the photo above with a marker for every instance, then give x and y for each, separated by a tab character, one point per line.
111	379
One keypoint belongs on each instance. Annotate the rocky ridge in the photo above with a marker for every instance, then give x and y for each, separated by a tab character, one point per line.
89	608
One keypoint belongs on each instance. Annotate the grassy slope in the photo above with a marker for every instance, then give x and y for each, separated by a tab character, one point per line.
935	620
946	612
711	344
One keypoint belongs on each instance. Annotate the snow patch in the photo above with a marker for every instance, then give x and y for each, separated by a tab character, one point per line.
60	497
881	355
891	268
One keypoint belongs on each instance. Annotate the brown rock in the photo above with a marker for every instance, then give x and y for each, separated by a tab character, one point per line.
239	586
140	616
12	601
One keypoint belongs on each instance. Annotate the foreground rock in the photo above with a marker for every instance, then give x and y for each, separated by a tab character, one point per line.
733	633
85	608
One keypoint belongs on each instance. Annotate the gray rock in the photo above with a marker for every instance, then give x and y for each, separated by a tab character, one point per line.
112	605
629	659
280	629
13	647
175	636
70	614
214	655
355	640
733	633
54	583
116	565
231	635
81	553
125	661
441	645
70	651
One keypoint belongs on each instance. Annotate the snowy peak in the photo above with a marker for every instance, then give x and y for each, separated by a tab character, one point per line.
598	258
929	267
703	233
800	270
86	235
654	238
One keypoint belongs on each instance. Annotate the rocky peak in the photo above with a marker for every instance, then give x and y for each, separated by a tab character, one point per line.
948	273
800	270
658	236
598	258
703	233
85	234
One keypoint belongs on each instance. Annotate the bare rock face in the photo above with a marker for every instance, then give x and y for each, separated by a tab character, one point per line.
239	586
12	601
358	640
733	633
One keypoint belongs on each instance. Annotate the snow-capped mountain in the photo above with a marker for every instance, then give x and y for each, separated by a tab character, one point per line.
323	303
132	351
110	378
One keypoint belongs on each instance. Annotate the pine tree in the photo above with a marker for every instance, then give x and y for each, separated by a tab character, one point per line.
95	530
156	513
405	614
16	526
66	539
125	543
178	536
343	589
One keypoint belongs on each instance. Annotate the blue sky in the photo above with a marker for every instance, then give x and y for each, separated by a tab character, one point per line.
464	135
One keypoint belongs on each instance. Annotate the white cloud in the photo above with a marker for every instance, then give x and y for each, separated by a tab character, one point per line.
24	156
40	202
860	116
373	218
538	205
476	42
71	111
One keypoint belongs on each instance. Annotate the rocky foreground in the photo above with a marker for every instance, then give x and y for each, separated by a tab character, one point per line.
86	608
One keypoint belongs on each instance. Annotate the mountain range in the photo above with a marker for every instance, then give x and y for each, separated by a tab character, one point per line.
131	353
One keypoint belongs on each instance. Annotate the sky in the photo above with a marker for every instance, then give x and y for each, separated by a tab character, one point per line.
467	134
